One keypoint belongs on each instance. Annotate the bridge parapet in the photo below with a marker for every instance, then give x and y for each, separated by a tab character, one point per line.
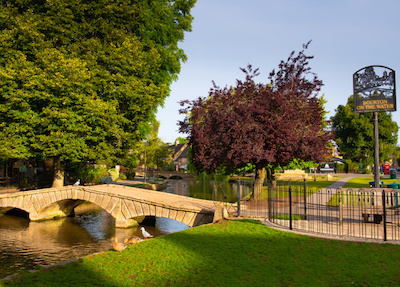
167	174
127	205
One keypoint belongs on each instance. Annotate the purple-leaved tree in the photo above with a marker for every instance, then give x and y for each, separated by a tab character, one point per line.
264	124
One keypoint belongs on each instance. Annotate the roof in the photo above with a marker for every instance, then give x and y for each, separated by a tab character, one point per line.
335	159
180	150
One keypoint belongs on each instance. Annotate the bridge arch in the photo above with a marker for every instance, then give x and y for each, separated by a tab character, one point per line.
16	211
128	211
167	174
176	177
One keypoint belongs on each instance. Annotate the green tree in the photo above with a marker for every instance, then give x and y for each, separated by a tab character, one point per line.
157	152
355	134
182	140
82	80
300	164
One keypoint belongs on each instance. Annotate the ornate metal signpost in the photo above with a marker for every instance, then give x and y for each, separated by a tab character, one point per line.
374	91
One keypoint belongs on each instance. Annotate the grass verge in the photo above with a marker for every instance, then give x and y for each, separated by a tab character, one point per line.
363	182
298	187
230	253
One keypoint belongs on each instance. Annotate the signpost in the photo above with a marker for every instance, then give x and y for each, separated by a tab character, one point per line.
374	91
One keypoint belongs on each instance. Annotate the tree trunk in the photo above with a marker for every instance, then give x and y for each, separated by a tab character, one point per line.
58	179
258	182
270	176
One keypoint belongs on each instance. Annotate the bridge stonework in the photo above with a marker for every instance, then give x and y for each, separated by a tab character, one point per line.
121	202
166	174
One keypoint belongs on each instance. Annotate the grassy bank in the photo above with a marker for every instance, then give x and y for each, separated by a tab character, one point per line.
298	186
230	253
363	182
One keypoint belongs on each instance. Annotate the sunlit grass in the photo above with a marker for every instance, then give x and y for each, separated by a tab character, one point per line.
287	217
322	183
230	253
349	198
356	183
151	182
363	182
298	187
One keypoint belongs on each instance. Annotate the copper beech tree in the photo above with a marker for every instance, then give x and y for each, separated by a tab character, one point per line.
264	124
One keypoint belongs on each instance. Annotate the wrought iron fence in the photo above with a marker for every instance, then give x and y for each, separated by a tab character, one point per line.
366	213
247	206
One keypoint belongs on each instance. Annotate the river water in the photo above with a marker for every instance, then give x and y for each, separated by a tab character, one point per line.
26	245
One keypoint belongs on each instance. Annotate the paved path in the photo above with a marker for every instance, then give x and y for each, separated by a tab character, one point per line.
325	194
345	178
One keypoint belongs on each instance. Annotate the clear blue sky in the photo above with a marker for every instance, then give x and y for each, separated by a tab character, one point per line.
346	35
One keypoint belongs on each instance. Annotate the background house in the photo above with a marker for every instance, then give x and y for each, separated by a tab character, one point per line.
180	155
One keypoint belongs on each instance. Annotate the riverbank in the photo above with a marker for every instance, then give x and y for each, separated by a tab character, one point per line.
341	183
229	253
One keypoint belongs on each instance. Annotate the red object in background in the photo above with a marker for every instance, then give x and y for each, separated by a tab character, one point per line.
387	168
179	168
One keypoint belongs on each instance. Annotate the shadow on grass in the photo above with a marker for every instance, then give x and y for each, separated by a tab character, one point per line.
231	253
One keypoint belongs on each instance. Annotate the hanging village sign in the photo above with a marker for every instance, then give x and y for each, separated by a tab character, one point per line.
374	89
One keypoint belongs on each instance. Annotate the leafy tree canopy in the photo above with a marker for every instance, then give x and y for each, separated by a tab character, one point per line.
83	79
158	154
300	164
355	134
181	140
262	124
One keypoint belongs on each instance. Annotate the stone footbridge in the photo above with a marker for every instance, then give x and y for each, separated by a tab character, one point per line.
166	174
128	205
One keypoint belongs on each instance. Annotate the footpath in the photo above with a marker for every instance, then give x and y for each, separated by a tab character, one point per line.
345	177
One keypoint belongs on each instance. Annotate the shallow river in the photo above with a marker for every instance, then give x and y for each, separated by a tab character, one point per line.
25	244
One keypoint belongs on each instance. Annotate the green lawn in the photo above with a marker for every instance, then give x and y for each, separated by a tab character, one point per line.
322	183
298	187
350	199
230	253
363	182
358	182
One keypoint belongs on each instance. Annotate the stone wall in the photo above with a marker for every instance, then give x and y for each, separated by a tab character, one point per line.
296	174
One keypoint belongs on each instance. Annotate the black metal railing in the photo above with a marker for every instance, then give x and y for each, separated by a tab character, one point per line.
247	204
366	213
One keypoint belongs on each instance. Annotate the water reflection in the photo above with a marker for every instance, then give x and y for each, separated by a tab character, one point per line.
224	191
25	244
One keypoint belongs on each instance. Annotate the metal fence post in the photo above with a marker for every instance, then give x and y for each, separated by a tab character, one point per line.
345	212
305	199
290	207
269	203
239	196
384	216
340	207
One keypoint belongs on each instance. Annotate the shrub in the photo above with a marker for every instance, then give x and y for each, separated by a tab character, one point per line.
114	174
92	174
130	173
